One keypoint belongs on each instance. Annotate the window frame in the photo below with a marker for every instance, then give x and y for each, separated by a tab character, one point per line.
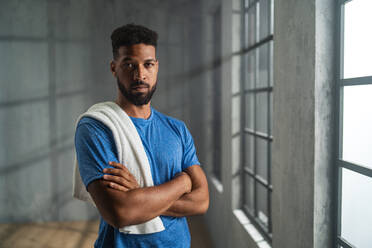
340	84
247	5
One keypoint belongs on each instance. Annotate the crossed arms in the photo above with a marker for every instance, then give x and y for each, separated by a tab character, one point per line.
121	202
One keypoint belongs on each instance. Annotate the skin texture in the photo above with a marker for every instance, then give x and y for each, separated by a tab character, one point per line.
118	197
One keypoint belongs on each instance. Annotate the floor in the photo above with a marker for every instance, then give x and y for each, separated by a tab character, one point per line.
81	234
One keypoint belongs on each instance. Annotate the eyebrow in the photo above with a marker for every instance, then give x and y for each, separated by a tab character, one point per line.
130	59
151	60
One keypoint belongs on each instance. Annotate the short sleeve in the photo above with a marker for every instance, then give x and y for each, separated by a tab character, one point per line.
189	157
95	148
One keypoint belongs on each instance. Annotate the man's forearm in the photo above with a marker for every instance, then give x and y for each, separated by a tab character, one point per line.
139	205
194	203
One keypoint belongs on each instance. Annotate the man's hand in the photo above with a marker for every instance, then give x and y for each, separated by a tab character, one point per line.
188	182
120	178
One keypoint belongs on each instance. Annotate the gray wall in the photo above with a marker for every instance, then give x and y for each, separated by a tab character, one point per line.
303	174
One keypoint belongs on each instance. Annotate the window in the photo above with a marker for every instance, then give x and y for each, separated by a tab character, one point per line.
354	122
257	85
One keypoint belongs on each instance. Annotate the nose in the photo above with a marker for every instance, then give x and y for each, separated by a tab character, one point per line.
139	73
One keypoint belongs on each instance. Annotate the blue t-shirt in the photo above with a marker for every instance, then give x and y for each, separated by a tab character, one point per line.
170	149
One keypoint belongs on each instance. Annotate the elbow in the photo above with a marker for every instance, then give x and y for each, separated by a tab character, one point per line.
120	222
120	218
203	207
116	220
203	204
127	217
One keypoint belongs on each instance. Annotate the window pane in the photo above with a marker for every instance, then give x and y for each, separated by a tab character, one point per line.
358	39
249	151
262	203
264	18
246	20
263	66
249	192
271	58
357	125
235	115
272	17
252	25
271	113
236	160
249	111
261	112
262	147
356	217
250	59
236	72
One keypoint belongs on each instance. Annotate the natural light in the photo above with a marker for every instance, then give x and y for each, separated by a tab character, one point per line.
356	215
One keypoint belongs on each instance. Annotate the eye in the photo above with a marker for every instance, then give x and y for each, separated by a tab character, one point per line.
149	65
128	66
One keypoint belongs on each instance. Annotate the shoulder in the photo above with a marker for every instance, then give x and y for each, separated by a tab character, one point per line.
90	121
90	127
174	122
177	125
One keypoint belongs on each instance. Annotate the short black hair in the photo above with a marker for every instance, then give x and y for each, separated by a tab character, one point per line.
131	34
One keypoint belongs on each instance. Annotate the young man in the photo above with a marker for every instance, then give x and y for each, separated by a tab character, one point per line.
180	186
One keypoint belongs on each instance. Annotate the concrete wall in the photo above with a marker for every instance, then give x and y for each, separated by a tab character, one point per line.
303	177
54	64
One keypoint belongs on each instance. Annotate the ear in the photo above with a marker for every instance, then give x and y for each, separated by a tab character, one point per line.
113	67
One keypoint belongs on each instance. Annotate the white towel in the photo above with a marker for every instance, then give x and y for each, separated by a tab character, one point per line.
131	153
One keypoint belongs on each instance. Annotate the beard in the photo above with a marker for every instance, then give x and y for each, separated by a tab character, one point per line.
137	98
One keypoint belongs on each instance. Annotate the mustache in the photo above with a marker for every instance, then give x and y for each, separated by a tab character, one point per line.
139	83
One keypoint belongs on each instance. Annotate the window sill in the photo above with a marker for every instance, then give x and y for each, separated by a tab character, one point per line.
251	229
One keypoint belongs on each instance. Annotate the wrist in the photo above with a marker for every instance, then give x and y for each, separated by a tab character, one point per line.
187	182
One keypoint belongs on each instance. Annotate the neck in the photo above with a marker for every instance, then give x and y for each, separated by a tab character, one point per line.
143	111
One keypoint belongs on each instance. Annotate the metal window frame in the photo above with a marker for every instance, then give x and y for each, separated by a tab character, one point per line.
265	229
339	162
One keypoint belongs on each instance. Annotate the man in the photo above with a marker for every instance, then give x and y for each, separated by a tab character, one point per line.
180	186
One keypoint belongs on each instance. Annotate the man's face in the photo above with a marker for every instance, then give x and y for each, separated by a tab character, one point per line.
136	70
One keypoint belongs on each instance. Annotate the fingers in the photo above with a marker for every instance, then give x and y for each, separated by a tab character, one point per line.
179	174
120	181
116	186
119	166
120	177
120	170
117	172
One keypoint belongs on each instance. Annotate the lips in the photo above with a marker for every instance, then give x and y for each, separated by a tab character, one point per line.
140	88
